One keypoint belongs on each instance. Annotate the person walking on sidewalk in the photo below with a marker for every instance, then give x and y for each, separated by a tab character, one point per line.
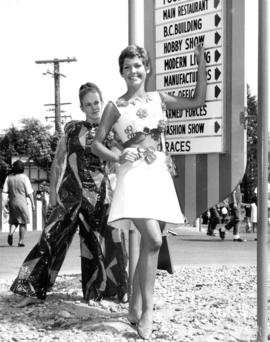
144	191
17	189
80	195
218	218
234	201
213	221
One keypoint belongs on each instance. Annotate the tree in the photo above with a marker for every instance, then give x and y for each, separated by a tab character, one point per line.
250	179
4	169
33	140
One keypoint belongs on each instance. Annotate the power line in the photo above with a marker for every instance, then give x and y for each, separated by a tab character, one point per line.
56	75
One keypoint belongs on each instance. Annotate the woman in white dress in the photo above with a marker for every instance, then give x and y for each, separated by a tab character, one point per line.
144	191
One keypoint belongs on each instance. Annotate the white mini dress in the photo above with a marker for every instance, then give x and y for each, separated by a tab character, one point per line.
143	190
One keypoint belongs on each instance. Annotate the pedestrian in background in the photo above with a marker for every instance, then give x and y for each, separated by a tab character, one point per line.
253	216
42	195
144	190
80	195
218	218
214	220
235	202
17	189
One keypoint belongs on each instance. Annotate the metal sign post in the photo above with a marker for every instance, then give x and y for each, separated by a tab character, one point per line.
263	107
133	38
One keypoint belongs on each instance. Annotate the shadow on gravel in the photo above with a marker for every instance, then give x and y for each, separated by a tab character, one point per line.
64	310
60	312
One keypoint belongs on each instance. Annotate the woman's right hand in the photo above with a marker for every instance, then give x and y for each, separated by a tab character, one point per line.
52	200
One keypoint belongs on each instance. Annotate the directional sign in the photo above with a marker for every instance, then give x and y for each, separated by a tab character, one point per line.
193	128
184	44
189	26
187	60
208	143
208	111
185	145
186	78
179	27
213	92
180	10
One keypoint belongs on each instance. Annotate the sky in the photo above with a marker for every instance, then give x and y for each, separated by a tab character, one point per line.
92	31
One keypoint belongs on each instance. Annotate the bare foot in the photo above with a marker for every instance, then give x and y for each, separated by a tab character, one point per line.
145	328
28	301
133	317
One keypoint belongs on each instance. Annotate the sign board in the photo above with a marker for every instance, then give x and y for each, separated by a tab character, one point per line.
179	27
208	144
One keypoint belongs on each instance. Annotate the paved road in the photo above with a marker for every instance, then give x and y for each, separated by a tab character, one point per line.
188	247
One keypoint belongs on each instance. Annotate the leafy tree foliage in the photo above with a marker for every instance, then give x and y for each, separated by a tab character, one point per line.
250	179
4	169
33	139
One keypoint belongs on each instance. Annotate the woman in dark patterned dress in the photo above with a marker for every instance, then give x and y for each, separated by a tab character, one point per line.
80	195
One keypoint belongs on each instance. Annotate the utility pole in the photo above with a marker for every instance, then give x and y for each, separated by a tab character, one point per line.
56	75
61	111
263	112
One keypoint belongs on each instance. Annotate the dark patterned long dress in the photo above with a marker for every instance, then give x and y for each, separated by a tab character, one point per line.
85	205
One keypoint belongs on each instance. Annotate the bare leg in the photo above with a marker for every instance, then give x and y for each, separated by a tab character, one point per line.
21	234
135	301
12	228
144	281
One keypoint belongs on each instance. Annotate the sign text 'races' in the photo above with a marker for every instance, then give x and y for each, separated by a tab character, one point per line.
178	146
194	145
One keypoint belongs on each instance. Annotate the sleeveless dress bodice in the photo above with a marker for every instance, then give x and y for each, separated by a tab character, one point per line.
141	116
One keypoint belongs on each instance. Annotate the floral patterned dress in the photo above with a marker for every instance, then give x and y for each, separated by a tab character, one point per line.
144	188
85	193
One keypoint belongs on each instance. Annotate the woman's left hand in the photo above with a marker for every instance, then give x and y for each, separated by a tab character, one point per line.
128	155
199	53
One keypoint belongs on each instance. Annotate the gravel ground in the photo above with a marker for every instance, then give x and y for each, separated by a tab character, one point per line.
197	303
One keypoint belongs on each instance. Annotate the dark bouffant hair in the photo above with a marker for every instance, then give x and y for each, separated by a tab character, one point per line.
87	88
133	51
17	167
